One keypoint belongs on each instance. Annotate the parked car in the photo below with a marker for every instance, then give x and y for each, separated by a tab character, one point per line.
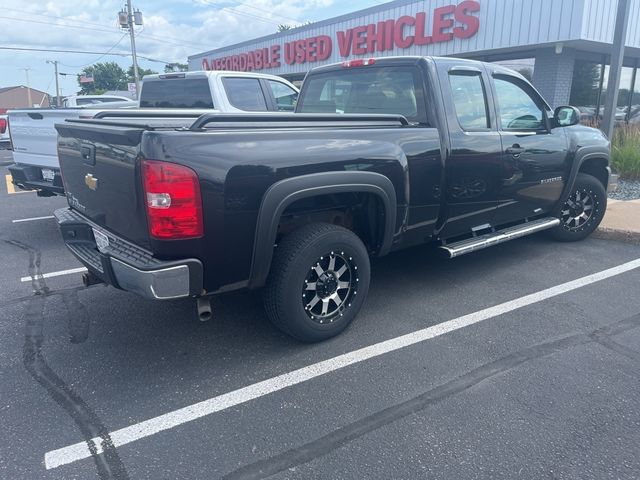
297	203
588	115
5	140
34	136
634	115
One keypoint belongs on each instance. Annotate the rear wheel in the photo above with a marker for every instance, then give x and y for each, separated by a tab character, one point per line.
318	282
583	211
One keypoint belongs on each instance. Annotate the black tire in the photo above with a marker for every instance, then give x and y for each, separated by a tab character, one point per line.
296	263
589	199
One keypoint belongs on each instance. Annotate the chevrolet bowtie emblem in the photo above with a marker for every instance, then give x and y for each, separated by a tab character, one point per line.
91	181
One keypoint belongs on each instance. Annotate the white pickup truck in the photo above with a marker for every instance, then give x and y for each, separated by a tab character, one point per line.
34	137
111	101
4	132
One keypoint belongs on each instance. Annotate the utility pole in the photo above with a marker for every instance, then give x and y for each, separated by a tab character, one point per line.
26	71
55	68
127	20
615	68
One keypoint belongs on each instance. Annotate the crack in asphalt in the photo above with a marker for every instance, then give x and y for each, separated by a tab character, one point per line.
51	293
108	464
78	324
340	437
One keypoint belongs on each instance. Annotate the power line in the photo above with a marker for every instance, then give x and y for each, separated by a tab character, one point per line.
100	29
100	57
58	24
84	52
164	40
265	11
238	12
66	19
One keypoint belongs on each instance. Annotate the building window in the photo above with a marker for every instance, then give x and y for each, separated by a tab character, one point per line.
585	91
634	100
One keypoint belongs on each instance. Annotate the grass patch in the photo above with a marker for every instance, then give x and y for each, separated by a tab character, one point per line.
625	152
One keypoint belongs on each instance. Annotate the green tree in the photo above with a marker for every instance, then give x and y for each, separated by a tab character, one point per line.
106	76
585	84
141	73
283	27
176	67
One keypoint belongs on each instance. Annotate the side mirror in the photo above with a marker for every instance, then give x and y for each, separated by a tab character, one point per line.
566	116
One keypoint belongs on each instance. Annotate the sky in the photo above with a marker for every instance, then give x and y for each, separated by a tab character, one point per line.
172	31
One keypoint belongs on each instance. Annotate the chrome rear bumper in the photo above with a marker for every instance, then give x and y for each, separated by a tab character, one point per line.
127	266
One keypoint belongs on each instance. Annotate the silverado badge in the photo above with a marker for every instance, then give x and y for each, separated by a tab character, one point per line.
91	181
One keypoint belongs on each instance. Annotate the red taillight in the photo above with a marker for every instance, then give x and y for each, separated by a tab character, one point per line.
359	63
3	125
174	205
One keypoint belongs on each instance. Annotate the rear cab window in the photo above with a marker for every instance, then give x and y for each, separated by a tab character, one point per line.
176	93
375	89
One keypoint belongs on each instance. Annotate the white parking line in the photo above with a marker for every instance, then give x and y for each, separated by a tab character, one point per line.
32	219
123	436
55	274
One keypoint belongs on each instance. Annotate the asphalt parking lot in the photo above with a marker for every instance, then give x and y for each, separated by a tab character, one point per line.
520	361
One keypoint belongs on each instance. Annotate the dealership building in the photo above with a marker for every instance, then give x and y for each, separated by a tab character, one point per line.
565	44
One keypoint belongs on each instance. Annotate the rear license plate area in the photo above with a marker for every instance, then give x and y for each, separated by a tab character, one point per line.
102	241
48	175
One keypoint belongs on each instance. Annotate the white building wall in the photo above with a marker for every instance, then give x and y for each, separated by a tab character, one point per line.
553	75
599	19
503	24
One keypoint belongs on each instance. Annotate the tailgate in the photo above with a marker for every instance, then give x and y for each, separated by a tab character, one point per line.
101	175
33	135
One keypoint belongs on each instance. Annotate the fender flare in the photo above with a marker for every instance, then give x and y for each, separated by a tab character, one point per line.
283	193
582	155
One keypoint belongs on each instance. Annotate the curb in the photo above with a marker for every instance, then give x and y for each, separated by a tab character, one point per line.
626	236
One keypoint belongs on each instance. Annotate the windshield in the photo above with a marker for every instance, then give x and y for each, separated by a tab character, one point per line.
176	93
391	90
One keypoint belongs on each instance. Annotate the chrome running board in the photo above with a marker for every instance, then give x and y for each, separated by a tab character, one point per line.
489	239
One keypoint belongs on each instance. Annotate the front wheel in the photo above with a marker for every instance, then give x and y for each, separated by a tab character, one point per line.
318	282
583	211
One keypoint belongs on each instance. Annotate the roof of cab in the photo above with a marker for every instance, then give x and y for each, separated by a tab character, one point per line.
414	59
210	74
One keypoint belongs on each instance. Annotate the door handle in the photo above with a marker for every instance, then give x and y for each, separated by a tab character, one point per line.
515	150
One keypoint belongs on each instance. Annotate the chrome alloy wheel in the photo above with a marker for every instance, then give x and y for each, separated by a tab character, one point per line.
578	210
329	287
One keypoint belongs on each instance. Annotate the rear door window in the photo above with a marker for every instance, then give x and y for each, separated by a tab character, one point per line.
391	90
469	101
176	93
245	94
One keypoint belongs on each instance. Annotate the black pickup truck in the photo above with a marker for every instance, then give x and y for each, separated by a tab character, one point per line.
380	155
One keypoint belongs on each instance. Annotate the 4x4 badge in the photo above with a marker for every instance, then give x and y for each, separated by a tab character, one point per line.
91	181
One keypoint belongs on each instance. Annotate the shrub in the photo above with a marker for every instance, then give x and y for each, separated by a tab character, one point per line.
625	152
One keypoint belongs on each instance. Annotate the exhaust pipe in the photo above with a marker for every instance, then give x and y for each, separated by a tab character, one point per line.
204	309
89	279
